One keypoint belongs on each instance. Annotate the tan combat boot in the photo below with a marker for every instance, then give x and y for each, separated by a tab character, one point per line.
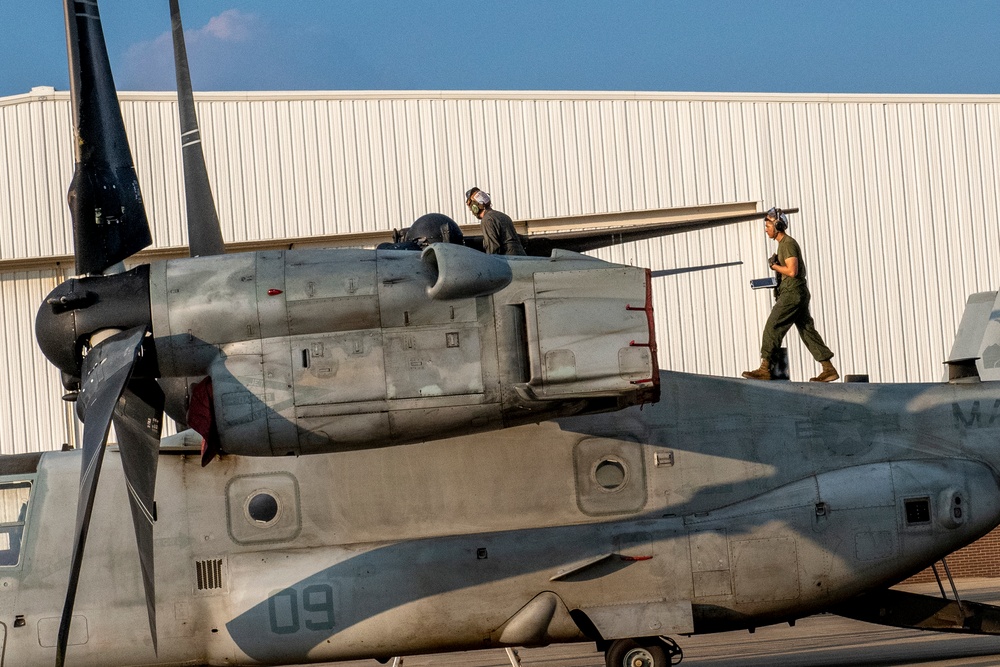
827	374
762	373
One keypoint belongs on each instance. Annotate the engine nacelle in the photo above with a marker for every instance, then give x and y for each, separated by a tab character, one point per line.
324	350
464	273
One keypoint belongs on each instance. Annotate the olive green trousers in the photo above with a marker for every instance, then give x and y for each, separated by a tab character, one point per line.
792	307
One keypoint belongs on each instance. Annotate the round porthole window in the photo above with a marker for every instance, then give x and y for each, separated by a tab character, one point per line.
610	474
262	508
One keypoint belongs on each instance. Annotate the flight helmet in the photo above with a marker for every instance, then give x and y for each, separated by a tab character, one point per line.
434	228
477	200
779	217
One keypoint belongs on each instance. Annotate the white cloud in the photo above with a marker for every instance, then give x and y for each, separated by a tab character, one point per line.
149	65
231	25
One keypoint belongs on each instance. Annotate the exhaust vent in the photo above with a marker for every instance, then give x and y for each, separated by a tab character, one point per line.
209	574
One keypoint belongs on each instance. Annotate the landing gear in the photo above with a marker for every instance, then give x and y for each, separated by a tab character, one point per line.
643	652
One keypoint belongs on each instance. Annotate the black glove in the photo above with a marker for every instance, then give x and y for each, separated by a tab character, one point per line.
772	260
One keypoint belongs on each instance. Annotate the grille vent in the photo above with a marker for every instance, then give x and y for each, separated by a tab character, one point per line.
209	574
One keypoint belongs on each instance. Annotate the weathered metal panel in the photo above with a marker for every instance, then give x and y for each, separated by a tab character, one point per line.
325	295
355	358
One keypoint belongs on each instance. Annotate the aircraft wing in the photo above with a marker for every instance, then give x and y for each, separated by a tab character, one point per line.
541	245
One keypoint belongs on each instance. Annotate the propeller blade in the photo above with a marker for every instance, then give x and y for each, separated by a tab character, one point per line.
204	232
109	220
138	417
106	371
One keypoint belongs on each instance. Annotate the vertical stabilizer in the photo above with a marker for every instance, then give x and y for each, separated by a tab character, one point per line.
978	336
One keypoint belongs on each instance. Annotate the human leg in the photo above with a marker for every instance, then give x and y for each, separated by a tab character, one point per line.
782	317
778	322
814	343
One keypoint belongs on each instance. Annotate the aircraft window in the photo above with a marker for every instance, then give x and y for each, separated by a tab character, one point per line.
610	474
918	510
262	507
13	511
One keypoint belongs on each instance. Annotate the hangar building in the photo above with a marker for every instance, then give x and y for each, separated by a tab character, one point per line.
898	204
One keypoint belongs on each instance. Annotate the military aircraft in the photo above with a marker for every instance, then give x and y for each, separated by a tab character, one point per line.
487	463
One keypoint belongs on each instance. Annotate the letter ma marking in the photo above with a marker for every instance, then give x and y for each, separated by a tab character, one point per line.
973	417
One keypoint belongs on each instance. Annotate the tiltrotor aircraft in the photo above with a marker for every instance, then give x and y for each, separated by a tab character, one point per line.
489	455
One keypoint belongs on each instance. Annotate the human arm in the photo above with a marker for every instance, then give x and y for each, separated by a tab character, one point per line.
790	269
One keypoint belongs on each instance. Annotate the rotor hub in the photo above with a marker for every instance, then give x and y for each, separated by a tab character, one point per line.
81	307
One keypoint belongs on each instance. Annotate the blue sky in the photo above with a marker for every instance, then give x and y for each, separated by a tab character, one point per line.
870	46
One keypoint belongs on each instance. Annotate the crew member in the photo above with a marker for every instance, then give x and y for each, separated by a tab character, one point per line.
499	235
791	305
427	229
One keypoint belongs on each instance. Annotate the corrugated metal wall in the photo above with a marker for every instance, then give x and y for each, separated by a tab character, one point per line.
898	195
32	416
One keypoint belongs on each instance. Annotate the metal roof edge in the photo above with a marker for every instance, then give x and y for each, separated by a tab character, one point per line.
43	93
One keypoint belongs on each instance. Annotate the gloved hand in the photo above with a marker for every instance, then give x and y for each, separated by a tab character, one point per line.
772	260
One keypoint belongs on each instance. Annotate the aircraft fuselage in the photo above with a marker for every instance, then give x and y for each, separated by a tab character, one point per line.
729	504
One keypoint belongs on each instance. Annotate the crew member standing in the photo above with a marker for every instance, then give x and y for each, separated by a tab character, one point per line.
791	306
499	235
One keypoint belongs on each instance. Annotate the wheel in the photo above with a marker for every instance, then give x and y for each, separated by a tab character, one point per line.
632	653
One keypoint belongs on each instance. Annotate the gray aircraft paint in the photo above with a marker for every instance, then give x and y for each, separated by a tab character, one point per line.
749	517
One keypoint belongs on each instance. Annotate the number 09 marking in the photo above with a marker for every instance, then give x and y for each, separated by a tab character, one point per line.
317	609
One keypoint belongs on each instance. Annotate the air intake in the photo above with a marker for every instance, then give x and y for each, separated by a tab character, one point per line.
209	574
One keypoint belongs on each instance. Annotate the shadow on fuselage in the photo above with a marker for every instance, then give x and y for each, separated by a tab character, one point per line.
731	441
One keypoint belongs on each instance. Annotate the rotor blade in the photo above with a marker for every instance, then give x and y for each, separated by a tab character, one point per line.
109	220
204	233
106	371
541	245
138	417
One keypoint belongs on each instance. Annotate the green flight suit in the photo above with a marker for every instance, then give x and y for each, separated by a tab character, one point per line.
792	307
499	235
